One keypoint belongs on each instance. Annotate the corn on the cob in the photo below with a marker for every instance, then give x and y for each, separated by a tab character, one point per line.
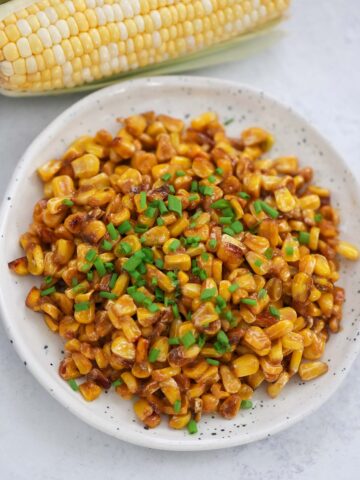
51	44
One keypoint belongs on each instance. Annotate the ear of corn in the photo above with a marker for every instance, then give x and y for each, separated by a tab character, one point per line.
52	46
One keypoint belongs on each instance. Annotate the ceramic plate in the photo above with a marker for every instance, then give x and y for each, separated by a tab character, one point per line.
182	97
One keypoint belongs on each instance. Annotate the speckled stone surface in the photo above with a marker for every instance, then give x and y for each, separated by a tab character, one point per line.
315	69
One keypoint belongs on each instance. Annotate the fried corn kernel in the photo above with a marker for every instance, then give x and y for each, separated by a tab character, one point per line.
184	267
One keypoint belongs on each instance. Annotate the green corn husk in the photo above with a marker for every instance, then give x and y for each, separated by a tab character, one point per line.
232	49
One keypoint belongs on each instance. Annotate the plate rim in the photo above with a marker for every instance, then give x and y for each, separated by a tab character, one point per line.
35	367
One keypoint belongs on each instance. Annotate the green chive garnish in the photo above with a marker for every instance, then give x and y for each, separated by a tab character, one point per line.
212	361
194	186
114	234
100	267
262	293
304	238
269	253
249	301
160	221
141	228
125	227
80	307
108	295
180	173
226	220
153	355
208	293
212	179
68	202
201	340
193	198
222	338
272	212
171	188
206	190
117	383
192	427
212	243
125	248
237	226
257	206
47	291
159	263
244	195
233	287
90	255
246	404
73	384
175	311
188	339
90	276
150	212
143	203
229	231
202	274
174	204
166	177
133	262
174	341
258	262
174	245
162	207
318	217
219	171
106	245
220	204
177	406
289	250
113	279
221	302
205	256
49	279
274	311
227	122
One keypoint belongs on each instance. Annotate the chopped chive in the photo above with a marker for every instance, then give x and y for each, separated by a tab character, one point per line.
192	240
141	268
188	340
150	212
233	287
68	202
318	217
188	316
174	245
194	186
227	122
166	177
162	207
222	338
153	355
219	171
227	212
141	228
218	309
226	220
160	221
192	427
49	279
117	383
269	253
171	189
79	288
229	315
246	404
153	308
221	348
237	227
249	301
262	293
201	340
90	255
304	238
212	361
159	294
274	311
208	293
174	341
74	282
90	276
81	306
175	310
133	262
272	212
229	231
205	256
202	274
110	266
106	245
289	250
125	248
47	291
174	204
154	281
143	203
177	406
206	190
258	262
159	263
212	179
124	227
168	301
212	243
257	206
113	279
180	173
100	267
73	384
192	225
112	231
220	204
244	195
108	295
193	198
221	302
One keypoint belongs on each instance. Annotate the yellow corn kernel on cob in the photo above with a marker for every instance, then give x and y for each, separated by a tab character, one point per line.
51	45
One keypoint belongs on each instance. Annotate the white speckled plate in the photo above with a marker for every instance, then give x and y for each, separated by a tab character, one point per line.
182	97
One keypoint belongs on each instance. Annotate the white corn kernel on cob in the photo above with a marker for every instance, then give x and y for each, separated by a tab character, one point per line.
52	45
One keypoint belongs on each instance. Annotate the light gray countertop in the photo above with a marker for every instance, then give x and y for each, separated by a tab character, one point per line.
315	68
